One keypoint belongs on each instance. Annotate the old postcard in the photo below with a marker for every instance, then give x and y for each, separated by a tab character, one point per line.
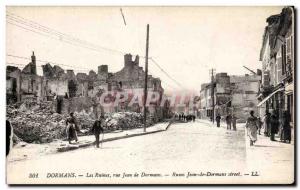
150	95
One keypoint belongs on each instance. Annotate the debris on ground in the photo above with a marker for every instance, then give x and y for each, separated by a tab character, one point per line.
36	122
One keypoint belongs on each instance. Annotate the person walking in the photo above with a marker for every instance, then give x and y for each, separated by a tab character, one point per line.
72	128
251	126
97	129
218	120
285	135
274	124
228	121
234	118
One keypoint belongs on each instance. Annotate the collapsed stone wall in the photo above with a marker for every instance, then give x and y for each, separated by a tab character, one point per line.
34	122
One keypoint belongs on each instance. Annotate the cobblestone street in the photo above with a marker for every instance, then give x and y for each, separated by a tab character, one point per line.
184	148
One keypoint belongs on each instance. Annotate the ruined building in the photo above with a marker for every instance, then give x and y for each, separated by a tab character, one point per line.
74	92
23	84
235	94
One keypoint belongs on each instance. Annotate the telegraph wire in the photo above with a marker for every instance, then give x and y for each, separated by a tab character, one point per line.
33	26
22	66
46	29
40	29
162	70
44	61
60	35
163	81
55	38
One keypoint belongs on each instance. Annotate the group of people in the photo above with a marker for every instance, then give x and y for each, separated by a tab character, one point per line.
187	118
230	121
72	129
271	124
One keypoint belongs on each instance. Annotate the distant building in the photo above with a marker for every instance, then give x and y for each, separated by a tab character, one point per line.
219	90
245	90
233	94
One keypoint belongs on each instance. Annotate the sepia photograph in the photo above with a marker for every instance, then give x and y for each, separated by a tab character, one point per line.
150	95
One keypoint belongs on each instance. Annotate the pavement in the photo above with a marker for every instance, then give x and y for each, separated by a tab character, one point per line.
271	160
268	159
185	148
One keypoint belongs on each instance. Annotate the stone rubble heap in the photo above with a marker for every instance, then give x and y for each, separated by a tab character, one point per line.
37	123
33	122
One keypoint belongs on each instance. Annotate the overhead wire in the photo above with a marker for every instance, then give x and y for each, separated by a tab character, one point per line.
37	28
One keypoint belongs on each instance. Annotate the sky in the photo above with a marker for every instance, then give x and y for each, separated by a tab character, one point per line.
184	41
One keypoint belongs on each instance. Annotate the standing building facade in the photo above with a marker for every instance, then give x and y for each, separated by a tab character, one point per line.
277	58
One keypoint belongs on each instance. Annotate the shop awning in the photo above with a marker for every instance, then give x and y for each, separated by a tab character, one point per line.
268	97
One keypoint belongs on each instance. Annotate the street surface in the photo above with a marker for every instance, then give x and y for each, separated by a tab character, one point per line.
196	148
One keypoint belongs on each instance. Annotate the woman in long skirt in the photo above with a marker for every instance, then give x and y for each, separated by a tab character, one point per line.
71	132
252	127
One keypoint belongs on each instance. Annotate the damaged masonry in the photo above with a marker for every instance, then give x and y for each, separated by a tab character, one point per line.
37	106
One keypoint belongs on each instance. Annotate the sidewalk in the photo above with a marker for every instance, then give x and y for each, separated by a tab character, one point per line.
271	159
24	151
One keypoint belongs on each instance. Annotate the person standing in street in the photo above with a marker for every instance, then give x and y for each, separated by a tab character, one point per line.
259	124
251	126
274	123
9	134
218	120
285	135
72	128
228	121
267	126
234	118
97	129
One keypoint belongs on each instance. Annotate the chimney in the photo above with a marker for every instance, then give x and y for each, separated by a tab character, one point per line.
33	60
128	60
137	59
33	65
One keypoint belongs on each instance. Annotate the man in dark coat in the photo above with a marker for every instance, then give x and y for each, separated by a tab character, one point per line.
274	123
267	124
285	134
8	137
218	120
228	121
260	123
234	119
97	129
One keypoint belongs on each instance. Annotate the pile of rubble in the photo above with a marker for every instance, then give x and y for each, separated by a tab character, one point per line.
123	120
37	123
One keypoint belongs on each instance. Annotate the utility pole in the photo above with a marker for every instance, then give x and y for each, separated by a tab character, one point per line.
146	79
212	85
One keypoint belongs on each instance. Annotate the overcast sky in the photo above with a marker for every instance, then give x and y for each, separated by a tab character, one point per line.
185	41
